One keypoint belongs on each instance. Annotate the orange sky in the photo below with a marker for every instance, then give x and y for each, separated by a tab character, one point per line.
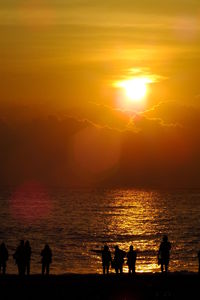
62	58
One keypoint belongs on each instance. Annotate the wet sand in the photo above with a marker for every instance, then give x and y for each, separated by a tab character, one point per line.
122	287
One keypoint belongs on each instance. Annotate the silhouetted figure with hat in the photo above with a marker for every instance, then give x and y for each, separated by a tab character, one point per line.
27	251
3	258
131	260
164	254
19	257
118	260
46	254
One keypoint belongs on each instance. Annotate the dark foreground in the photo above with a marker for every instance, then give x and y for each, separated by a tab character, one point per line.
140	286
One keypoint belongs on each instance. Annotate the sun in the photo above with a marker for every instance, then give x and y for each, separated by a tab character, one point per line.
135	89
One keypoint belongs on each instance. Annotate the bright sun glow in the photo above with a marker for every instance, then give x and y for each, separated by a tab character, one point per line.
135	89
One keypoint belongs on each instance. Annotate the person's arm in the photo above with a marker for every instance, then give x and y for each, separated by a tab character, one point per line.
96	251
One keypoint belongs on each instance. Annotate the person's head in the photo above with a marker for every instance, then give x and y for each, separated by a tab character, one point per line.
116	248
46	246
27	244
131	248
165	238
22	243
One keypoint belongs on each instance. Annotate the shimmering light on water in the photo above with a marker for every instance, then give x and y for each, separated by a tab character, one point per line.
82	220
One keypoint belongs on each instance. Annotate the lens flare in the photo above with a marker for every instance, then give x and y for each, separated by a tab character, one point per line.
30	202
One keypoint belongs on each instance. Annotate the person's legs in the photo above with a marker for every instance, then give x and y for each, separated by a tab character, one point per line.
19	269
104	269
107	269
28	268
162	267
23	268
43	268
121	269
47	269
4	268
133	269
166	267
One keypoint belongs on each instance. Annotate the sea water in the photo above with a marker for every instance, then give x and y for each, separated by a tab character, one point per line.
75	221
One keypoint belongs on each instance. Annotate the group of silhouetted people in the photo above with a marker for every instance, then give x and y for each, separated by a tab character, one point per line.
22	257
118	261
119	258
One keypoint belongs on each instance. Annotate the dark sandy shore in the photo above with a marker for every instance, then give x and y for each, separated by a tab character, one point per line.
124	287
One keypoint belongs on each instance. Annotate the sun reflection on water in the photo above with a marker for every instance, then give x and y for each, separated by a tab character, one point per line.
132	219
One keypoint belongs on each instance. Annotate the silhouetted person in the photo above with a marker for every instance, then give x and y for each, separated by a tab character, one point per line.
164	253
131	260
27	251
19	257
3	258
119	260
106	258
46	259
199	260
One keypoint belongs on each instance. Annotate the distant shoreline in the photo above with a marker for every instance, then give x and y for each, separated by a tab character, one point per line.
137	274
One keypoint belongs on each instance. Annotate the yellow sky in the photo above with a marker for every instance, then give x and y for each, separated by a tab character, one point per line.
54	51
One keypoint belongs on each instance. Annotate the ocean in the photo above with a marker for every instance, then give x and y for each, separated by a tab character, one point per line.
75	221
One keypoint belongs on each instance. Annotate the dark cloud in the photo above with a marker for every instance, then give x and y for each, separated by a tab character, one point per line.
69	151
105	116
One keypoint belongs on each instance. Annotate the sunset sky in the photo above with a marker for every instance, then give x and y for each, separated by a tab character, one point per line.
67	115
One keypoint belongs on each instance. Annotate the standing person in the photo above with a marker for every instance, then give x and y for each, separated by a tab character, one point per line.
119	260
3	258
106	258
199	260
27	250
131	260
164	253
46	254
19	257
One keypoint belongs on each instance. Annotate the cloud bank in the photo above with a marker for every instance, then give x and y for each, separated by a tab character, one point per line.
158	148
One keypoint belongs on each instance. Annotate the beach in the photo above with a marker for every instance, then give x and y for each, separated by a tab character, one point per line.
121	287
